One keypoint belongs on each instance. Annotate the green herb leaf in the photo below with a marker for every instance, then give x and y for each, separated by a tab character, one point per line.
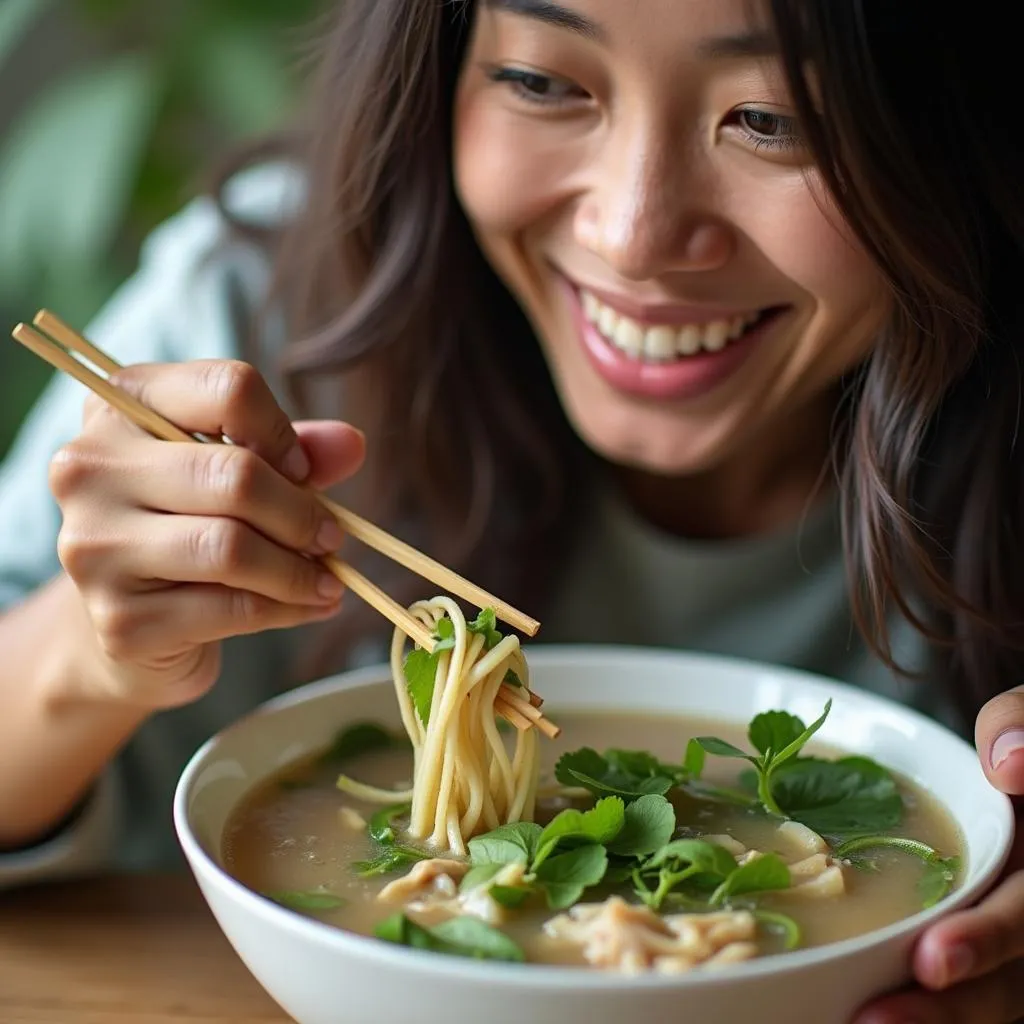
693	762
357	739
774	730
940	873
781	924
444	635
380	827
762	874
311	901
586	767
458	936
420	674
798	743
390	859
479	875
937	880
707	858
600	824
510	896
486	625
648	824
849	796
713	745
507	844
511	679
565	876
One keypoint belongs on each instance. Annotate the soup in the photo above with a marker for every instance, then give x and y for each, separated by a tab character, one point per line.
653	862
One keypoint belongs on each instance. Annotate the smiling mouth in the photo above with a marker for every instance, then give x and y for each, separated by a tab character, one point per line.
662	343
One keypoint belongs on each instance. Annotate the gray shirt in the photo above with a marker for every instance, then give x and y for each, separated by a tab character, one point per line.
779	598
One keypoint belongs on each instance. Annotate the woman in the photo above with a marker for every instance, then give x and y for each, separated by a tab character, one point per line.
629	299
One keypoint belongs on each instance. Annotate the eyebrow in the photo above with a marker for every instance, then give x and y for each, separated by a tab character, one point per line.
551	14
744	44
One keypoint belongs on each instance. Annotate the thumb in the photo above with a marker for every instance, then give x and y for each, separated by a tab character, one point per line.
999	737
335	450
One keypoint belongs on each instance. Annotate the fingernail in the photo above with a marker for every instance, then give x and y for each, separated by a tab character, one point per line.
329	587
296	464
959	963
328	537
1008	743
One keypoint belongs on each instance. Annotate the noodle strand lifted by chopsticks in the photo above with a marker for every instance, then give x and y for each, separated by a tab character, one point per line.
464	781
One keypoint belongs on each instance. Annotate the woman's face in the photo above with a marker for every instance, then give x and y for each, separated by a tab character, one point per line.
634	174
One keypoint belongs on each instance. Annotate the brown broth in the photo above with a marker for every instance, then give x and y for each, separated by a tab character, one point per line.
287	835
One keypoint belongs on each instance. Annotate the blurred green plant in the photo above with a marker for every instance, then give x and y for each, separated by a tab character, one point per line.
115	141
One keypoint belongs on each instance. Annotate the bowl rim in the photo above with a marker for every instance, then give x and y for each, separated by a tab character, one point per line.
548	976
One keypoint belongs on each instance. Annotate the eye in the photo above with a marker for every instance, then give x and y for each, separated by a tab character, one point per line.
764	128
535	87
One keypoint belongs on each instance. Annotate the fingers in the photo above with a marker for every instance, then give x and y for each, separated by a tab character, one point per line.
194	549
335	450
999	736
216	397
135	630
971	943
996	998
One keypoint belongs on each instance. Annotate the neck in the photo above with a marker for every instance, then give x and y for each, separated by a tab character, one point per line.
769	488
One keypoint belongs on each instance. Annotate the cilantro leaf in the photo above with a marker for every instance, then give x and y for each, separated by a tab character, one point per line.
507	844
310	901
458	936
565	876
799	742
600	824
390	859
380	827
843	797
648	824
762	874
693	761
420	674
586	767
486	625
707	858
444	635
774	730
479	874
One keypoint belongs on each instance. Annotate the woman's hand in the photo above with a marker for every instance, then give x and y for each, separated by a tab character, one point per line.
970	965
174	547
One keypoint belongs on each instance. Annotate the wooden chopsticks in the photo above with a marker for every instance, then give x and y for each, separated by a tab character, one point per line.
57	350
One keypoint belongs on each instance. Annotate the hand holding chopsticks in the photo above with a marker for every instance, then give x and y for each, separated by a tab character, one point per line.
69	352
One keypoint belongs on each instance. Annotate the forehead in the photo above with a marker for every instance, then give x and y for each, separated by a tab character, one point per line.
706	29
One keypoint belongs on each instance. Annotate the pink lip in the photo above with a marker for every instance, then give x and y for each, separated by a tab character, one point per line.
687	378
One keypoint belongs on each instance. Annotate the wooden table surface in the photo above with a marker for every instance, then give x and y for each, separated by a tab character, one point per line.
139	949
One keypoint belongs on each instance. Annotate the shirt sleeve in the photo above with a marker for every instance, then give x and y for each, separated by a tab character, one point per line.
197	293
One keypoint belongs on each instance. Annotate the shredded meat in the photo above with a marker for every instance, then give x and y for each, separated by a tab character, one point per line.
435	876
631	938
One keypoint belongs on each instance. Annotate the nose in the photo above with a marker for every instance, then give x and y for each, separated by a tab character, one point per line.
647	212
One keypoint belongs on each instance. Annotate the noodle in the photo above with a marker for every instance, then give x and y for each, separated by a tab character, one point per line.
464	781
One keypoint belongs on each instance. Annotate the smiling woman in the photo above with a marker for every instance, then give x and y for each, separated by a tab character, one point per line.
689	323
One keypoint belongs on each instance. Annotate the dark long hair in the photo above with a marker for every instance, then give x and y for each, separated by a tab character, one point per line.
469	446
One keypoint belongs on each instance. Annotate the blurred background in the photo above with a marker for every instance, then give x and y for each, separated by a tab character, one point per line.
111	113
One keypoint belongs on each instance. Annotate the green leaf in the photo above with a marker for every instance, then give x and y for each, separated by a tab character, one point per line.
713	745
600	824
459	936
767	873
380	827
479	874
648	824
420	674
510	896
798	743
707	858
360	738
565	876
103	115
507	844
693	762
937	880
444	635
486	625
781	924
512	679
774	730
310	901
843	797
586	767
390	859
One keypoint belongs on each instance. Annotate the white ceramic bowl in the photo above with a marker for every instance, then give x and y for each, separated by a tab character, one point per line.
322	975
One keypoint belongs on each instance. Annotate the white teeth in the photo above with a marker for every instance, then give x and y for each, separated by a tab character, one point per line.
661	342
